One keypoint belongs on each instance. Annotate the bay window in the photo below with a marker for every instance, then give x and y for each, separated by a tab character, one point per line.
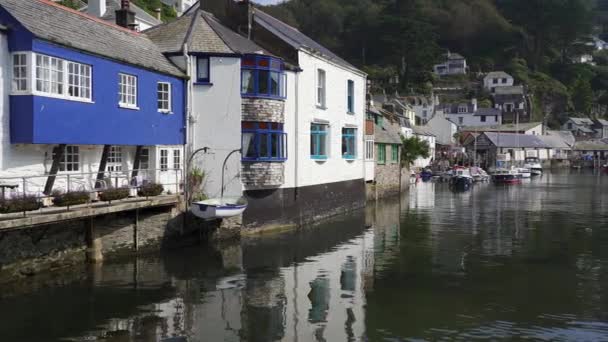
263	141
52	76
263	76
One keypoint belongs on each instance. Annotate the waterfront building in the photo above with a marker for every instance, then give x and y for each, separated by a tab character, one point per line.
424	133
515	147
106	10
470	114
235	86
531	128
80	97
318	169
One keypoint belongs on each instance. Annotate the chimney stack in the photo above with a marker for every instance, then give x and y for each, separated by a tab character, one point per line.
97	8
157	11
124	16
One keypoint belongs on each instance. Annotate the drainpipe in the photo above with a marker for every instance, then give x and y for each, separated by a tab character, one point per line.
296	135
188	109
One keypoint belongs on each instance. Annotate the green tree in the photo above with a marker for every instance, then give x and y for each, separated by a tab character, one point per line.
582	96
73	4
412	149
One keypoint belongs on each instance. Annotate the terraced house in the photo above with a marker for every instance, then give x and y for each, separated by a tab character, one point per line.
81	97
302	114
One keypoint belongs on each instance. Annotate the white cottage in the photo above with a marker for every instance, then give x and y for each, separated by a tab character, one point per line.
497	79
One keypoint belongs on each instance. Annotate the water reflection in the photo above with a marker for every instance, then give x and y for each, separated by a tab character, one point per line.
523	262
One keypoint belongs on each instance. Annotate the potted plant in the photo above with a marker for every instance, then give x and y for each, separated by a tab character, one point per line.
150	190
70	198
19	204
114	194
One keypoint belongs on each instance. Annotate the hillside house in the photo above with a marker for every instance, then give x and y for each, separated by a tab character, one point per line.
469	114
423	107
581	128
497	79
601	128
453	64
139	19
511	101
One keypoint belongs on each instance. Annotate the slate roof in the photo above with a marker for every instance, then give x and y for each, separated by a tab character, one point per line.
487	112
558	139
602	122
61	25
498	74
422	130
515	140
203	33
454	56
581	121
388	133
295	38
522	127
592	145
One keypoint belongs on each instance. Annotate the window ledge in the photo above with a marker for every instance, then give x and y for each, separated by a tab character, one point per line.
322	107
319	159
124	106
350	113
350	159
201	83
165	112
53	96
262	96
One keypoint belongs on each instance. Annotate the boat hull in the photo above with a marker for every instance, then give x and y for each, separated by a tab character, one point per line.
461	183
216	209
506	179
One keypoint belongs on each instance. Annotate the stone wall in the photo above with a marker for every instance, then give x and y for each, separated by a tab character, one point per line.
387	182
256	175
263	110
45	248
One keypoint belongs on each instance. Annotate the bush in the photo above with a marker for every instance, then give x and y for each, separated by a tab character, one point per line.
114	194
70	198
19	204
150	190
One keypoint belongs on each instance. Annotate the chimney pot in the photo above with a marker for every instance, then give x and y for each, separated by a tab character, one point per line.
125	17
158	12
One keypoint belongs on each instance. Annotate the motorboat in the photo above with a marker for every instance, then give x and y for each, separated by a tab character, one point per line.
219	208
533	164
461	179
447	176
525	173
506	176
479	174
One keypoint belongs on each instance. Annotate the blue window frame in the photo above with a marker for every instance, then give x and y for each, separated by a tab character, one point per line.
351	96
263	141
349	143
263	76
318	141
203	71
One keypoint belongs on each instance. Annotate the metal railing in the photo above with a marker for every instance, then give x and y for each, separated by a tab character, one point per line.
93	183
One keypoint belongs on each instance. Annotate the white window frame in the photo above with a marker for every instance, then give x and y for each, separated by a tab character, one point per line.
127	91
369	149
20	72
70	152
43	73
321	94
114	162
462	109
79	78
49	75
163	160
177	159
144	161
164	105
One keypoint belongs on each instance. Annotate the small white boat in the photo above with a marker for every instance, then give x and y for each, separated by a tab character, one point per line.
525	173
219	208
479	174
533	164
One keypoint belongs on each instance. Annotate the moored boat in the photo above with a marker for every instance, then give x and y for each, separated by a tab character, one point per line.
219	208
525	173
479	174
533	164
461	179
506	176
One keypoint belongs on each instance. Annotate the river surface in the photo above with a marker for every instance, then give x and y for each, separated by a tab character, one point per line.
524	262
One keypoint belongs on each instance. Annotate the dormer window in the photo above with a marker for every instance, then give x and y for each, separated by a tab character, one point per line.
263	76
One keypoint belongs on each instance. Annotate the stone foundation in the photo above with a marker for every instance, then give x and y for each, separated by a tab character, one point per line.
44	248
256	175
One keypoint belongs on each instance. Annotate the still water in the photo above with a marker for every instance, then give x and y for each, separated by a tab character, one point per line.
499	263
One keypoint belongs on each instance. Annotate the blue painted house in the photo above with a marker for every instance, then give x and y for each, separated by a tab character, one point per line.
85	97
